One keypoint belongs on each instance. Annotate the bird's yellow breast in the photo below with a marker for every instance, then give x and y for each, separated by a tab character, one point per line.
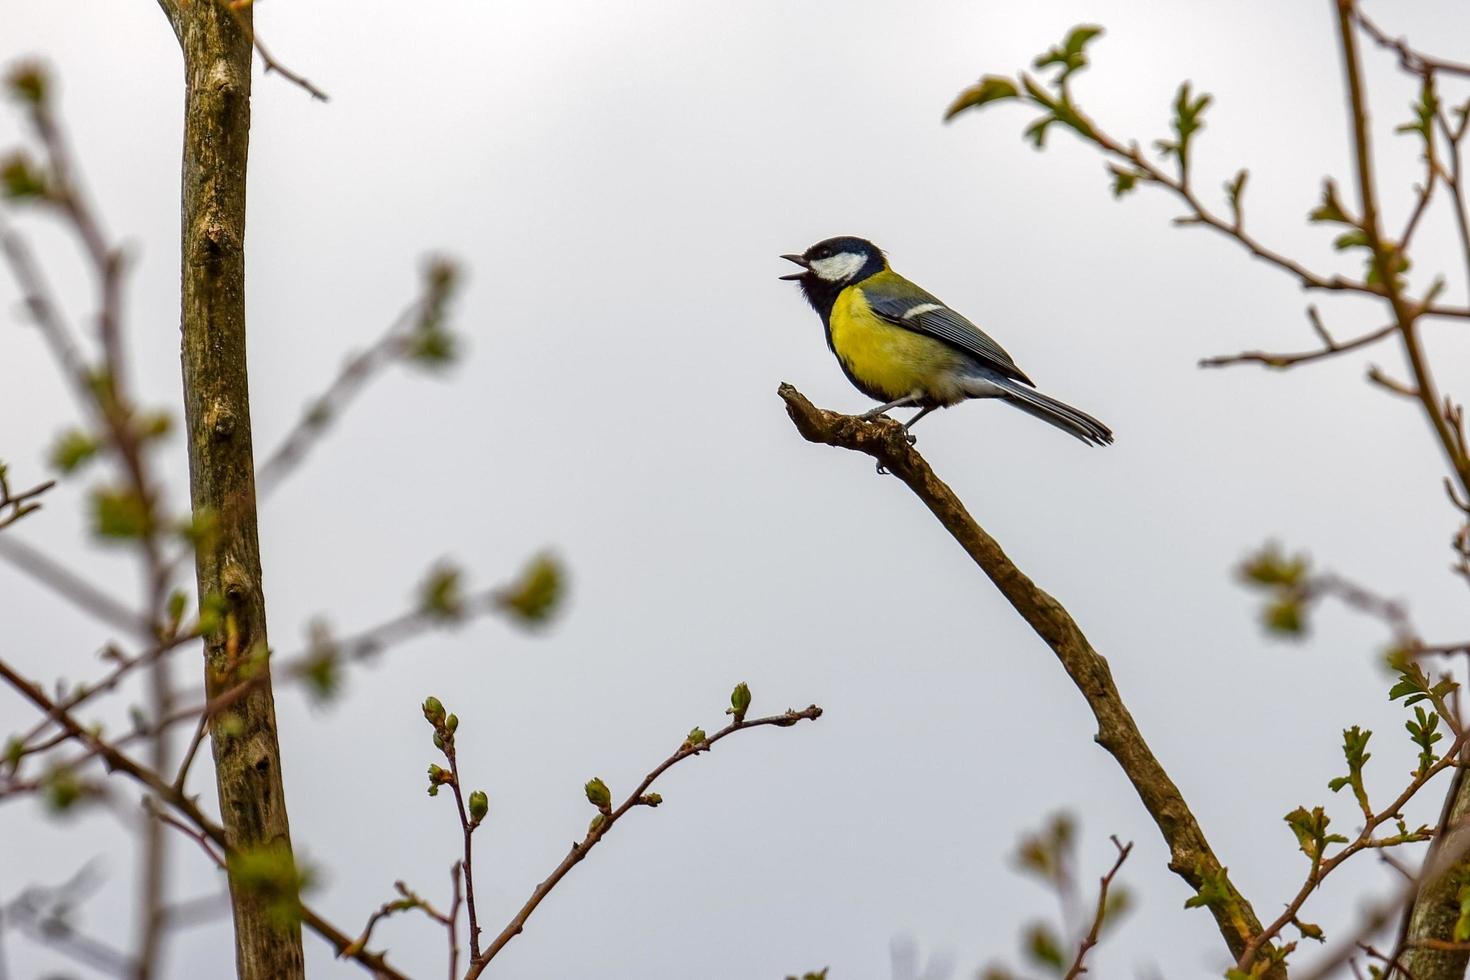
887	361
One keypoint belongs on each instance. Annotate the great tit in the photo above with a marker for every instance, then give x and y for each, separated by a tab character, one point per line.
901	346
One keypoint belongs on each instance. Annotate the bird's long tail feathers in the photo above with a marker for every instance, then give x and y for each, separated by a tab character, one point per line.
1048	409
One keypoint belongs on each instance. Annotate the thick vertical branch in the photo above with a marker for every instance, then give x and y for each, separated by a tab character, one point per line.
1190	854
217	53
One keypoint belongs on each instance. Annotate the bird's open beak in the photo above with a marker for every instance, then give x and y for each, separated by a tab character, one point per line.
805	266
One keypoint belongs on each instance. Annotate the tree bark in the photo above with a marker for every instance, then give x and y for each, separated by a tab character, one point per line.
1436	906
247	759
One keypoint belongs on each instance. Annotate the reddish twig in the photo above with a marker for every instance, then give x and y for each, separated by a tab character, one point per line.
1090	940
600	827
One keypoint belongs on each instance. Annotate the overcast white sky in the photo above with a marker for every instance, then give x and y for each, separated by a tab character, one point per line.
618	179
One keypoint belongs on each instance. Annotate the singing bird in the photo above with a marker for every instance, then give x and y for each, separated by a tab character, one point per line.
901	346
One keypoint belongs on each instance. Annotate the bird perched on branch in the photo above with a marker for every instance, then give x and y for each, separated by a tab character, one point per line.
901	346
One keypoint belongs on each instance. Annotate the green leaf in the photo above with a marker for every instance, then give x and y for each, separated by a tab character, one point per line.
270	874
1284	615
1125	179
1355	751
119	513
201	529
1271	567
1354	238
1331	208
1214	891
1234	191
1424	109
322	669
72	449
1187	121
991	88
1310	828
212	611
1462	924
1422	729
1070	56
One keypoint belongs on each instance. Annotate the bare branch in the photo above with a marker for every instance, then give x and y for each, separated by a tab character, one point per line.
414	334
1415	62
20	503
247	27
604	822
1330	346
87	597
1190	854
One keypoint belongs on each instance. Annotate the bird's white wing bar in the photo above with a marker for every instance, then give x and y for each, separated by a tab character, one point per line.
921	309
934	319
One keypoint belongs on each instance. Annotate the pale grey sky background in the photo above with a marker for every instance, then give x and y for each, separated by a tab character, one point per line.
618	180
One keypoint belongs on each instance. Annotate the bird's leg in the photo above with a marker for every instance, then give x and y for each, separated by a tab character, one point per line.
896	403
911	422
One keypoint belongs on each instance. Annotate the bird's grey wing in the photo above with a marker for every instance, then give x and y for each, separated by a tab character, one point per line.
923	313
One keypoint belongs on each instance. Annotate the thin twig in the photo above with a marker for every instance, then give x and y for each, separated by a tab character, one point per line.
1330	346
600	827
1090	940
355	374
467	828
19	504
236	8
1415	62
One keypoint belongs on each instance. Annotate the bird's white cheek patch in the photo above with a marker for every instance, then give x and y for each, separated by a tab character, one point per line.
836	268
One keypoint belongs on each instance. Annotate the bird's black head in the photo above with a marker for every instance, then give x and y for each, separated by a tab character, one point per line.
830	266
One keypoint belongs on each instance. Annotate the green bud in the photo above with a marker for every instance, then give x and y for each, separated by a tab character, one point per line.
479	805
62	789
598	794
27	82
452	722
438	741
441	596
696	737
534	598
652	799
433	711
22	179
596	823
14	750
739	702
